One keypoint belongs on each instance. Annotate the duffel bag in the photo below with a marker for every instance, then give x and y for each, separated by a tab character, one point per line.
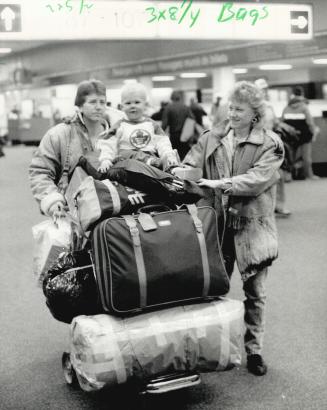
164	186
152	260
97	200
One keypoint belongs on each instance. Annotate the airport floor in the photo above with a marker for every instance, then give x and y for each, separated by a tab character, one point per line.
31	341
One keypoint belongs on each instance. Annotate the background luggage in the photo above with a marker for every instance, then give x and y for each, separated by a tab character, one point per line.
150	261
106	350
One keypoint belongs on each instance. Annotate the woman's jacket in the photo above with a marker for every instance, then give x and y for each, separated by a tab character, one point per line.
251	193
59	150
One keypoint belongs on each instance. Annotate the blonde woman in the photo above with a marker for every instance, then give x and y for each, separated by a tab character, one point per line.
240	160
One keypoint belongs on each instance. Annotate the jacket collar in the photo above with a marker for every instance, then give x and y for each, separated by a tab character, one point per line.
218	133
80	120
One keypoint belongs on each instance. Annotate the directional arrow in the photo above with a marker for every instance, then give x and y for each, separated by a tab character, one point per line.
300	22
8	16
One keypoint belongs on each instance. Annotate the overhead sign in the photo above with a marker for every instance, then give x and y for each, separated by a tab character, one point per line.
184	19
10	20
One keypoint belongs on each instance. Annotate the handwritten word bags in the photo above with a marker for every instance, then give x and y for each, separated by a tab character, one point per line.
230	12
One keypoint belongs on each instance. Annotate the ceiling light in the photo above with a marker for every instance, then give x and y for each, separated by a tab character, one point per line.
193	75
275	67
319	61
5	50
163	78
240	70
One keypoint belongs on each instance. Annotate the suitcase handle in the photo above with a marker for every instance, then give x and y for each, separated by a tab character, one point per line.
147	209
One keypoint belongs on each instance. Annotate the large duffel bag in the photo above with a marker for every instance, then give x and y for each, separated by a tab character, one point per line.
97	200
153	260
106	351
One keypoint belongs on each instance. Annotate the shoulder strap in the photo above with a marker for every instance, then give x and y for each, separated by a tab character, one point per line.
135	235
193	211
63	182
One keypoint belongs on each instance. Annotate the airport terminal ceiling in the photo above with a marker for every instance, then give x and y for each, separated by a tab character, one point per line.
48	59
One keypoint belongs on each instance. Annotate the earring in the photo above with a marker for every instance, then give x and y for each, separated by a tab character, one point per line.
254	120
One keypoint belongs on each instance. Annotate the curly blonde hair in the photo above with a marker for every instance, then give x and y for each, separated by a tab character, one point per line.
248	92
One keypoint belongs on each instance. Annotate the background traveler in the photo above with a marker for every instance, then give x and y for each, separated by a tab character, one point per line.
173	119
272	122
297	114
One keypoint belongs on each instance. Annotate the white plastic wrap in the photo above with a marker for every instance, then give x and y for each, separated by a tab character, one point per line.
107	350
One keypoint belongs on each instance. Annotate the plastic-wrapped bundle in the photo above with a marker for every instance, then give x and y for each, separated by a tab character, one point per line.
107	350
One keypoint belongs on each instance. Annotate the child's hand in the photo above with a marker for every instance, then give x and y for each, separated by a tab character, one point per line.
105	166
172	162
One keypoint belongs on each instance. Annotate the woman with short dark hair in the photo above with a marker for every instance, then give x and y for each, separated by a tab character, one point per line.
63	145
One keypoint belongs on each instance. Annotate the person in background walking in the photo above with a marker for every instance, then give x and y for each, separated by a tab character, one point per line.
2	154
173	118
240	160
197	111
157	116
215	107
297	114
271	122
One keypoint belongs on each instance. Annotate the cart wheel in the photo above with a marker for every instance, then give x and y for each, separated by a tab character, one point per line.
69	372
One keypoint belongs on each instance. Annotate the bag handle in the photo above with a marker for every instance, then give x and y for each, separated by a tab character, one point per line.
147	209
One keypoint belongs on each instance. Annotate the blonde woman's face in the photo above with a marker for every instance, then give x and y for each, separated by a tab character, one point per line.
240	114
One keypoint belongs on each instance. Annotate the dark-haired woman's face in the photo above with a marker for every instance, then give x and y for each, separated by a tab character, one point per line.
94	107
240	114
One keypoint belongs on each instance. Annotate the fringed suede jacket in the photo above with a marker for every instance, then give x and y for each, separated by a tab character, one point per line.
250	170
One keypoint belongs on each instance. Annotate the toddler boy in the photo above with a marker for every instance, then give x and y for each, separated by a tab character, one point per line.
137	136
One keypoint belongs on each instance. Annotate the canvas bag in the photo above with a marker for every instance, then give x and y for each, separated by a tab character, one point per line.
97	200
164	186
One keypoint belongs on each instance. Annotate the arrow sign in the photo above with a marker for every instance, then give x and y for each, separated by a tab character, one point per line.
8	16
299	22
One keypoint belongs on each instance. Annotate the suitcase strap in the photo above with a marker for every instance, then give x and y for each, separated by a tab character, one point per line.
131	223
192	209
116	203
